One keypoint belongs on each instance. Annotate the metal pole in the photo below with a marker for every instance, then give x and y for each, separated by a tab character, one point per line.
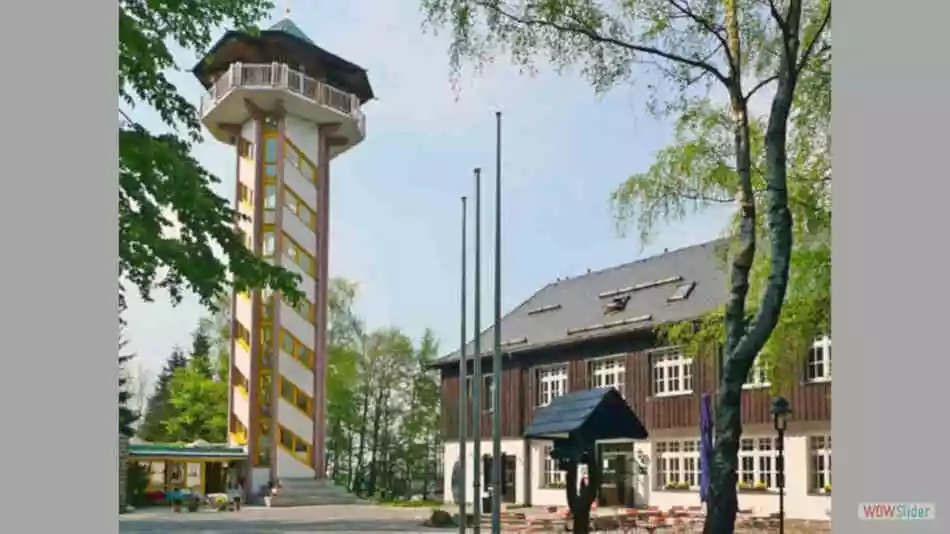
496	360
463	411
781	481
477	349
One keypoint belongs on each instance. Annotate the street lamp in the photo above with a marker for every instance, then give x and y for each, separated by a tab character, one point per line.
780	413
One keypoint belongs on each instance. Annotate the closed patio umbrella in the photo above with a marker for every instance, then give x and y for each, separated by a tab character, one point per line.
705	445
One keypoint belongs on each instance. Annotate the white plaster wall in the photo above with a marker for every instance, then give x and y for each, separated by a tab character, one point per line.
288	466
242	360
260	476
304	188
245	171
799	504
299	232
242	311
304	134
241	406
543	496
294	420
296	325
512	447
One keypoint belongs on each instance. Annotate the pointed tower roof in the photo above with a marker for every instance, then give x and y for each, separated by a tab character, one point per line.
282	40
287	26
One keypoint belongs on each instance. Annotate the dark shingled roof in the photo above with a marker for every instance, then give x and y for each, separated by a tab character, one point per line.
354	76
288	26
576	303
599	413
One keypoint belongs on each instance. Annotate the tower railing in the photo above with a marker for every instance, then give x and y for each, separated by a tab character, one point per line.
280	76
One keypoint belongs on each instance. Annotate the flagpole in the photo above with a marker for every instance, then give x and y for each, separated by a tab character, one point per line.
462	411
496	360
477	363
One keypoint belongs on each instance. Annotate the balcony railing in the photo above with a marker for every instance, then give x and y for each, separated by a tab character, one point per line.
280	76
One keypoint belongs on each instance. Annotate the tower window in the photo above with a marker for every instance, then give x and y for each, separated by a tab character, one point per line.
270	196
268	244
270	150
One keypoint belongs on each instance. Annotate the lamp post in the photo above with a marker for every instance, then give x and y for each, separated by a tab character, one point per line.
780	413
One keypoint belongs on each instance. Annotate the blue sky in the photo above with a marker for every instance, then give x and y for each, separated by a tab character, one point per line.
395	208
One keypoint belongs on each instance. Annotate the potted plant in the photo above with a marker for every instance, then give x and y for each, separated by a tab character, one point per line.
683	486
827	488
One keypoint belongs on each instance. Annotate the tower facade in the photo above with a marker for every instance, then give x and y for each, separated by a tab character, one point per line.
288	108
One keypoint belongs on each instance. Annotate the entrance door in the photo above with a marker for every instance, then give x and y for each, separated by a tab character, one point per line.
509	485
617	475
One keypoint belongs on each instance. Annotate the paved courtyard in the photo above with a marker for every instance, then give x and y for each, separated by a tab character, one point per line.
333	519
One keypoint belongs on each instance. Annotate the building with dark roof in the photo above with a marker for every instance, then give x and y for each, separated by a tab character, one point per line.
288	108
599	330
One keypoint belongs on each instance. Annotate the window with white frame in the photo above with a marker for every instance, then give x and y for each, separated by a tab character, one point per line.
489	387
551	476
818	367
676	464
757	463
672	373
552	383
820	452
608	373
758	375
486	395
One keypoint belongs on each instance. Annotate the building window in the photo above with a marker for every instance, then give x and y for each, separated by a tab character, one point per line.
303	307
758	375
486	396
296	397
294	445
295	348
608	373
244	195
819	360
270	196
489	398
299	208
240	381
270	150
677	464
300	257
551	476
820	452
245	148
242	335
757	458
267	244
552	383
672	373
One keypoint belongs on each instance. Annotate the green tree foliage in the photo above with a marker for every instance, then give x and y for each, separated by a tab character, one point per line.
201	354
217	328
160	183
127	417
735	46
382	406
158	407
200	406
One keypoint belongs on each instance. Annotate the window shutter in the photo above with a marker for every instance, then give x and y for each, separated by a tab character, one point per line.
650	374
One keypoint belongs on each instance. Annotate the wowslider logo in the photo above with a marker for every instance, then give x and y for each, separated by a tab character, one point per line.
897	511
